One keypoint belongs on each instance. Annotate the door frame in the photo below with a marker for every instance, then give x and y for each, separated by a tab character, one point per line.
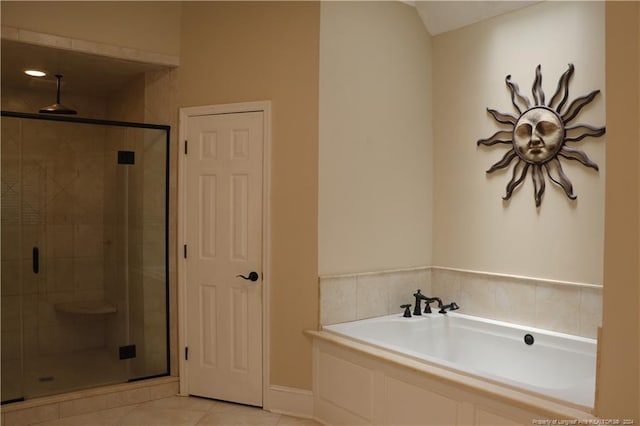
185	114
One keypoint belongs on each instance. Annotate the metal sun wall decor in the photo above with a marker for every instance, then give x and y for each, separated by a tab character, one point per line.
539	133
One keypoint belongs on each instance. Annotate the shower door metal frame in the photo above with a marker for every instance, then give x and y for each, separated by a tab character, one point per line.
167	129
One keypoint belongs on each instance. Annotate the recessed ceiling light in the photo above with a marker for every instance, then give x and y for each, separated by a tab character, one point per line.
35	73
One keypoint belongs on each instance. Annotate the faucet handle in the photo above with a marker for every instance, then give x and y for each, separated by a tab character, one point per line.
453	306
407	311
429	301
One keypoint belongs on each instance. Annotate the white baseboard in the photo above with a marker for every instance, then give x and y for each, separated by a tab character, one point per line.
290	401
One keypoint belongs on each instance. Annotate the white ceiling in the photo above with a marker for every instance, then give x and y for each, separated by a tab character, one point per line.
442	16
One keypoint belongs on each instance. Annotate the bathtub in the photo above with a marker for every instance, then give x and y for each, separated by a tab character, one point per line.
553	366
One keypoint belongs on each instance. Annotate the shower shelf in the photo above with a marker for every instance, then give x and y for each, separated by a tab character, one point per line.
91	307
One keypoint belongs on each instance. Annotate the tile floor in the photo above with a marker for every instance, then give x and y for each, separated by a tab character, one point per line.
181	411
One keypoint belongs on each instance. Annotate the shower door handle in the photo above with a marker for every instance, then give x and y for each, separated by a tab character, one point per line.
36	260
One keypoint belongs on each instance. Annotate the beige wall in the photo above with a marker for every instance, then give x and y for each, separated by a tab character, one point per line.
236	52
473	228
618	379
150	26
375	138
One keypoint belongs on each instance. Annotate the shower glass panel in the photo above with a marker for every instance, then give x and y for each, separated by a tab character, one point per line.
84	283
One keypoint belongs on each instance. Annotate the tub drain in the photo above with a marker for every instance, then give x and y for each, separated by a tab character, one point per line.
528	339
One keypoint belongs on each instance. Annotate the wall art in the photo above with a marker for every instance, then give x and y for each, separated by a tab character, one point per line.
541	134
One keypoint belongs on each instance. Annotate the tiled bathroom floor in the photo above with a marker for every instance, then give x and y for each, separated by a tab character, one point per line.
181	411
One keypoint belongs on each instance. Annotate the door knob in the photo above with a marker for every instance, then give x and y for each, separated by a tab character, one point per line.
253	276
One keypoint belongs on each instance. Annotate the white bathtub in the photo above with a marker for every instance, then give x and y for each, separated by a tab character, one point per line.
557	366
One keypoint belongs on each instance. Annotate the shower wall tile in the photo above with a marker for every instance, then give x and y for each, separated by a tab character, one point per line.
33	283
154	319
88	274
32	236
11	312
88	240
30	309
11	347
127	104
59	274
69	334
59	241
10	277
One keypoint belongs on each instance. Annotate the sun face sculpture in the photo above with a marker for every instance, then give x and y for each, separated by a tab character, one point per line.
539	133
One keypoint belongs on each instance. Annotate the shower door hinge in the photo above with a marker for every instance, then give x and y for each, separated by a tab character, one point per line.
186	353
185	146
185	251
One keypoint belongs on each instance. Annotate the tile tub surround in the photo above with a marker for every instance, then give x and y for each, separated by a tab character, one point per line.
572	308
565	307
358	296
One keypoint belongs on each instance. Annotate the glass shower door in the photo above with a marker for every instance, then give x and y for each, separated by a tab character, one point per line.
83	255
59	224
11	291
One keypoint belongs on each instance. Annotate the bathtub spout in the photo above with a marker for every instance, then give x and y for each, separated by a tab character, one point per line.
453	306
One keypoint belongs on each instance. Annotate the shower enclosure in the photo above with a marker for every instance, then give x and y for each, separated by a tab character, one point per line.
84	253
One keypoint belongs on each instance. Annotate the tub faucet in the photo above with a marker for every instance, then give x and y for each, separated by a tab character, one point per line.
453	306
419	297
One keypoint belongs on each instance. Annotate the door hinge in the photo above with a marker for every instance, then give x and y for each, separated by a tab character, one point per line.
186	353
186	143
184	251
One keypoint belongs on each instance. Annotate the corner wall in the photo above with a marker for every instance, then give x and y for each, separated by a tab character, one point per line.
375	168
474	229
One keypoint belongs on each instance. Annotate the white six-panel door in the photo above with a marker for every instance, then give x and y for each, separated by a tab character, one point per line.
223	235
